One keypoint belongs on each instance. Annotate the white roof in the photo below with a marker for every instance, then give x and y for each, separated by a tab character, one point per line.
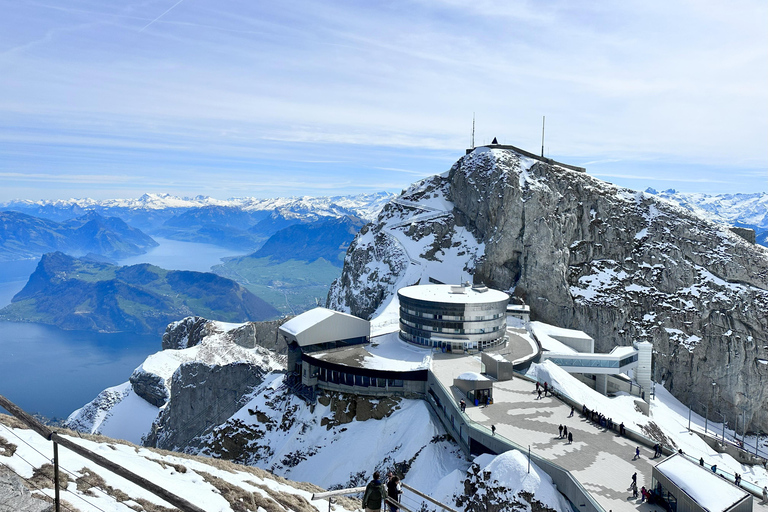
446	293
321	325
471	376
385	352
701	484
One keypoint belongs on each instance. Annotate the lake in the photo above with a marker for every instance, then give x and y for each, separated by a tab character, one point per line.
49	371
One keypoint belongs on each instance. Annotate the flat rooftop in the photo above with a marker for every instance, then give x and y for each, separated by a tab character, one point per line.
386	352
448	294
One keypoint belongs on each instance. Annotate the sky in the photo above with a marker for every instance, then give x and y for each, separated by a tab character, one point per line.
112	99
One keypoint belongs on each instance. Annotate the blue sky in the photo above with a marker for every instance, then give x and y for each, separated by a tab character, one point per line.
110	99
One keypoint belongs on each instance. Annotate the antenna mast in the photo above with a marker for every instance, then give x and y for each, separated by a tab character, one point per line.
473	130
543	118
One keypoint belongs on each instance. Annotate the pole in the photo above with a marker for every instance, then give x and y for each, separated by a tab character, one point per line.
689	417
543	119
706	417
473	133
529	459
56	500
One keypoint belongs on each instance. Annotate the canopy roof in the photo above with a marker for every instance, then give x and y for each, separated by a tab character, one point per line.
321	325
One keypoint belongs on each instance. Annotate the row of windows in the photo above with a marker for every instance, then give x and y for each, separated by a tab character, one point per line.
448	345
449	328
348	379
440	316
593	363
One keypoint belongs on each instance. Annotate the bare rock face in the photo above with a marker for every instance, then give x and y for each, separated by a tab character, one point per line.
263	334
187	332
202	396
149	386
621	265
16	497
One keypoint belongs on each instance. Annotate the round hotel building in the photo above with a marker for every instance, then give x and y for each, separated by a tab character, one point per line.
453	318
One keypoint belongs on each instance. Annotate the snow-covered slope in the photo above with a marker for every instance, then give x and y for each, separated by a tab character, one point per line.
128	411
210	484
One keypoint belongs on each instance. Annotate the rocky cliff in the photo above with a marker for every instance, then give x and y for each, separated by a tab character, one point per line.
621	265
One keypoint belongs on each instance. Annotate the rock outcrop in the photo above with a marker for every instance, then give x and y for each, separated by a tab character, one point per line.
202	396
621	265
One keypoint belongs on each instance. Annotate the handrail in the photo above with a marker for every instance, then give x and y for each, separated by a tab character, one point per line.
50	435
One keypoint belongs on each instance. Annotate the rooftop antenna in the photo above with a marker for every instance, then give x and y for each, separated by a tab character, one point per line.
543	118
473	130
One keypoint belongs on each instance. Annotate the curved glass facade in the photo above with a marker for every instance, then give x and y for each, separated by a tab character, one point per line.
453	326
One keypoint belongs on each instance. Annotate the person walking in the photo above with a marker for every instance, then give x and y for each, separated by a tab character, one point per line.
765	495
644	494
634	479
560	428
463	405
570	438
637	453
571	415
394	490
493	430
565	431
546	388
375	493
539	393
701	461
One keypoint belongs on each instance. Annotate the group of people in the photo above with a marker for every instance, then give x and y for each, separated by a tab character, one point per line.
539	389
564	434
657	451
597	417
376	492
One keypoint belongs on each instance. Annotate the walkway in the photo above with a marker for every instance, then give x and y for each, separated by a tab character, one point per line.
602	461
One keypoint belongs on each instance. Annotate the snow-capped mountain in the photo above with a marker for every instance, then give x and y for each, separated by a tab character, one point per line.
365	206
621	265
742	210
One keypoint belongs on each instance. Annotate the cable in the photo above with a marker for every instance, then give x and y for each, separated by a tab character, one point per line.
49	478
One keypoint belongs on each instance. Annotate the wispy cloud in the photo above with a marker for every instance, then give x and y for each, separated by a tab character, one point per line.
359	94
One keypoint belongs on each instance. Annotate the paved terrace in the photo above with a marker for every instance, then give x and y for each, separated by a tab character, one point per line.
601	460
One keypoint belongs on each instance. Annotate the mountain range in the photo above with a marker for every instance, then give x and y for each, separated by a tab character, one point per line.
23	236
239	223
741	210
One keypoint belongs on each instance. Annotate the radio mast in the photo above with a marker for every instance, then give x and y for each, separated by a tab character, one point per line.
473	131
543	118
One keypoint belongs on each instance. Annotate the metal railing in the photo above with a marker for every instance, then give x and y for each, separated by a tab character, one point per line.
469	430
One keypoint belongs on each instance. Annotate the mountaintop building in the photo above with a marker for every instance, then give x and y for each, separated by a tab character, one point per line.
453	318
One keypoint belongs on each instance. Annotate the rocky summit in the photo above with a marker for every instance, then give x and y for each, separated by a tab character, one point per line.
621	265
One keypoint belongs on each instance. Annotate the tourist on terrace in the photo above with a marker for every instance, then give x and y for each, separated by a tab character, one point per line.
375	493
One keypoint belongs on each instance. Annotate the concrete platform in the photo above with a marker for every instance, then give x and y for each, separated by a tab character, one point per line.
601	460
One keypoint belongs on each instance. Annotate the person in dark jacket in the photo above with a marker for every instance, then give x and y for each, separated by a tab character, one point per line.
394	490
375	493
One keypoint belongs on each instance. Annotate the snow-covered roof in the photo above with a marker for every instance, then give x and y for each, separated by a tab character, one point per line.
702	485
387	352
321	325
471	376
450	294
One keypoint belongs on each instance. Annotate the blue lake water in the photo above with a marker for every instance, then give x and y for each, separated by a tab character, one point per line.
52	372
